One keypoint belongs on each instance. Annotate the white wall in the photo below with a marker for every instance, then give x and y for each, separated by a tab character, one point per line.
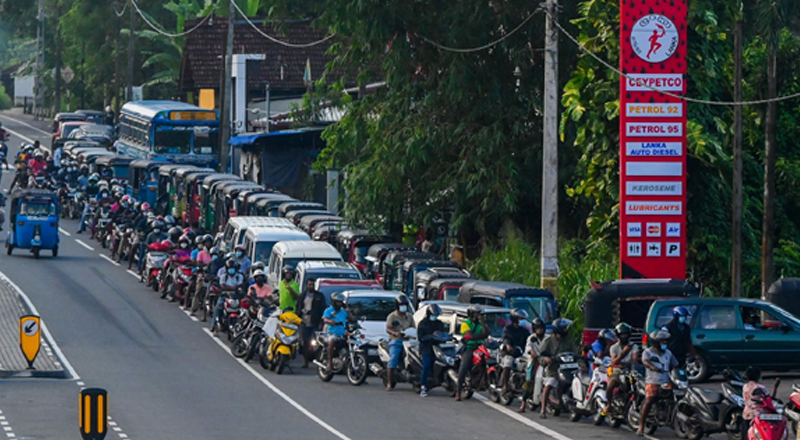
23	87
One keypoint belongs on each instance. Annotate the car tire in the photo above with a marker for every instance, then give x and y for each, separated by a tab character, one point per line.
699	370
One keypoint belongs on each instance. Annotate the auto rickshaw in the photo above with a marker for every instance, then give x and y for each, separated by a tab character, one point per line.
308	222
327	231
118	166
611	302
72	144
143	180
395	261
206	197
192	188
166	189
440	284
354	245
248	196
184	191
405	275
225	194
377	253
268	206
34	216
539	303
286	208
785	293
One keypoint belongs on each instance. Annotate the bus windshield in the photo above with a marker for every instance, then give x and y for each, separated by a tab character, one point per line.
205	140
169	141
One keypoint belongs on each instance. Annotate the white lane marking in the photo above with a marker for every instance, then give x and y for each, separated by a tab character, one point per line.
522	419
27	125
26	138
135	275
84	244
189	314
61	230
280	393
50	340
103	256
80	384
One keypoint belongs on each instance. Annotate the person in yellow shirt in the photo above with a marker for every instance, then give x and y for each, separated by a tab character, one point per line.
289	290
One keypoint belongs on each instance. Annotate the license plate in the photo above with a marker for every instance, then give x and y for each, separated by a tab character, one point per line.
372	352
568	366
771	417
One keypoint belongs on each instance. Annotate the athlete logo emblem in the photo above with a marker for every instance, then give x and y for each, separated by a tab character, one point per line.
654	38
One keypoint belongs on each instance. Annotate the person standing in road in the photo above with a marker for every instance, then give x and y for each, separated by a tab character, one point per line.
289	290
559	343
425	331
515	337
311	309
474	330
659	361
680	339
533	375
396	323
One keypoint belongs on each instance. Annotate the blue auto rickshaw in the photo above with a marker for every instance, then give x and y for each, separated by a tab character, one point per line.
34	221
143	180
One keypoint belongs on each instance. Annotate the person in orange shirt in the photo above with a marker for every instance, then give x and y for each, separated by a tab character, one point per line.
259	289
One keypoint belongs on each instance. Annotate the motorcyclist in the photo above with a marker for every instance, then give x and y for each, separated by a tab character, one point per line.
288	290
601	346
156	235
680	340
244	262
210	272
335	318
533	374
559	343
104	201
425	331
92	190
174	233
752	388
396	323
230	279
259	289
184	247
624	354
83	176
515	337
659	361
204	253
474	330
123	215
4	137
37	165
198	246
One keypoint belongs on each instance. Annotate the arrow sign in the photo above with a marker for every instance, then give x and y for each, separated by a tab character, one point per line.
29	339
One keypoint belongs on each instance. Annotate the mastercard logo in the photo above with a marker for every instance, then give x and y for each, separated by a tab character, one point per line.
654	229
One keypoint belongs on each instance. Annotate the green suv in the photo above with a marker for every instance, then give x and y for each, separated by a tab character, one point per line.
729	332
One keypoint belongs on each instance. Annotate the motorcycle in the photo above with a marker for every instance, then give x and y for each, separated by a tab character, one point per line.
663	413
410	371
588	392
516	380
279	340
178	277
76	204
621	398
231	309
702	412
102	222
246	343
769	423
349	357
155	260
792	409
484	368
567	369
67	195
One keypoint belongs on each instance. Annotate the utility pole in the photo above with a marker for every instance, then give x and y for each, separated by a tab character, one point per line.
227	94
549	249
57	79
37	100
131	37
736	254
768	231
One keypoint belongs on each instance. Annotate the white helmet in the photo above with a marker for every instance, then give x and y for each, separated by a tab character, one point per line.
259	273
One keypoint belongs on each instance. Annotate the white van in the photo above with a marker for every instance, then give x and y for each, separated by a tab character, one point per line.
326	269
259	240
291	253
233	234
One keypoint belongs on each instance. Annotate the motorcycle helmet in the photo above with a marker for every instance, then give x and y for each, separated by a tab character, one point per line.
287	269
137	206
658	336
561	325
519	315
537	323
158	226
145	207
401	300
258	266
38	155
198	241
433	310
259	273
474	311
231	263
680	311
607	334
209	239
170	221
174	234
337	297
102	183
114	182
623	329
239	250
166	243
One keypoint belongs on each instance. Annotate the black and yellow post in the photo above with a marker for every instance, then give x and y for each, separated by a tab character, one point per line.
29	338
93	413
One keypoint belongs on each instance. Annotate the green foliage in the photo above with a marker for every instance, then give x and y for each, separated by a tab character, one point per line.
5	101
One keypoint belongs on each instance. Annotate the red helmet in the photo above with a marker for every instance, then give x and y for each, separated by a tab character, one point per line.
145	206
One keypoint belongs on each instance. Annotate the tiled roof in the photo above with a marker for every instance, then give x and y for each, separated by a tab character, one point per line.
283	68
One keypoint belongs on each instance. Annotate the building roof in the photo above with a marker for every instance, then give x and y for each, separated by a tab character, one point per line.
283	68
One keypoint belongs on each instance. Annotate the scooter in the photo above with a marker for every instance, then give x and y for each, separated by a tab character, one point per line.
484	369
769	423
516	380
567	369
663	412
402	373
702	412
280	340
792	409
154	262
247	343
588	392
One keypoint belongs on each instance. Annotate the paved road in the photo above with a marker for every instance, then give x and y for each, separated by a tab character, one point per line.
169	379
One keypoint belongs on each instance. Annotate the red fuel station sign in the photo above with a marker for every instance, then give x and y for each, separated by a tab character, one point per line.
652	139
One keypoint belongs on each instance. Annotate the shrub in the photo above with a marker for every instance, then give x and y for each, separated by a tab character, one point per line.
5	101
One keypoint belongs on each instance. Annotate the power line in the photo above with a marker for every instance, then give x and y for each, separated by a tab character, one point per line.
485	46
273	39
167	34
124	7
673	95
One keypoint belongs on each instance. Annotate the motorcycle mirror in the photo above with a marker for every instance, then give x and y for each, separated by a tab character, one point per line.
364	318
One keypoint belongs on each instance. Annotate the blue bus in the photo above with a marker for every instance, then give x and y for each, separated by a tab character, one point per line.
170	131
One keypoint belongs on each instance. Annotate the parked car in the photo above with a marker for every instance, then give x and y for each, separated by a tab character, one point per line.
735	333
325	269
329	286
